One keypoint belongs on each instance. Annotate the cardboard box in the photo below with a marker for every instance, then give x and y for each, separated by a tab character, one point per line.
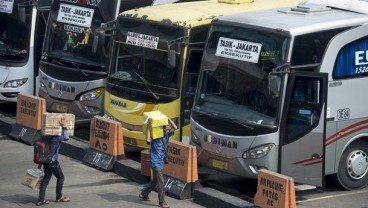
157	118
29	111
33	178
157	132
51	125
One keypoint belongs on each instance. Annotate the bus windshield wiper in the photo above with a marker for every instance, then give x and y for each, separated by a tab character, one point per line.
59	60
55	60
3	60
146	83
79	69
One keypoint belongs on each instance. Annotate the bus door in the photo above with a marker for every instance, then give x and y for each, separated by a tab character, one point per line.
40	30
190	81
303	124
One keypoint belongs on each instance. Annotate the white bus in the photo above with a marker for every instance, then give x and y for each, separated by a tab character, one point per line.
22	29
284	90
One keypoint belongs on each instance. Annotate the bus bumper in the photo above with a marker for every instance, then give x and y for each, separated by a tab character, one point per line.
247	168
134	138
84	109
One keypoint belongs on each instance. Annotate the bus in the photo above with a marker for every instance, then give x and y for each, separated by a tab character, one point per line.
22	29
285	92
72	73
156	58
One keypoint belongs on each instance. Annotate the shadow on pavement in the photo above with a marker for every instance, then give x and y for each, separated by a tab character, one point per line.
19	198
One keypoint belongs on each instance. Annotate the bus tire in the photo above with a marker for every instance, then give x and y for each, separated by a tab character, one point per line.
353	166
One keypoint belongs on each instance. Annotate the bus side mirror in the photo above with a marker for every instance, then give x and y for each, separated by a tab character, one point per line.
274	84
22	14
98	41
171	59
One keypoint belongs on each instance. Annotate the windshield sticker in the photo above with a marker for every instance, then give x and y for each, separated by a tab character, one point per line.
72	28
6	6
269	55
239	50
142	40
75	15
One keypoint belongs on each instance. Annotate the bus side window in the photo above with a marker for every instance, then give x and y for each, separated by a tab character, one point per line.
190	79
303	113
299	93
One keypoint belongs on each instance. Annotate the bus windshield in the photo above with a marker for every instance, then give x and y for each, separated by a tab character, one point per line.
141	61
14	31
72	29
234	75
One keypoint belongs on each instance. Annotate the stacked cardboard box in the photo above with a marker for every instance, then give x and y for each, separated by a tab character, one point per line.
157	120
51	125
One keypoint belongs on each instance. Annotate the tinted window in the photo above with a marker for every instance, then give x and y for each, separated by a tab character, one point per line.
309	49
352	60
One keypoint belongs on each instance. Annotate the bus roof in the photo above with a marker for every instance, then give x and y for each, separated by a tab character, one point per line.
192	14
302	19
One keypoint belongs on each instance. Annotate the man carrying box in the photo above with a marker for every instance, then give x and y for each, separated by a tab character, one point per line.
53	168
158	154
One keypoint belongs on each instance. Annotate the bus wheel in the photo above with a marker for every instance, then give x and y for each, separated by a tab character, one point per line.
353	166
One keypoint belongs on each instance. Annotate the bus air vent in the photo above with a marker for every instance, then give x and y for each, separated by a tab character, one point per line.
306	9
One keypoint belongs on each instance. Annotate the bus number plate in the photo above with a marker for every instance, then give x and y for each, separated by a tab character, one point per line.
61	108
130	141
219	164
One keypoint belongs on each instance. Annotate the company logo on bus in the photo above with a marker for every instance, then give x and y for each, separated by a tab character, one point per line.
221	142
61	87
83	2
119	103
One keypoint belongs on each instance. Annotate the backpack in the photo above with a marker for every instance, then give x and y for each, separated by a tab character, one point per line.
42	150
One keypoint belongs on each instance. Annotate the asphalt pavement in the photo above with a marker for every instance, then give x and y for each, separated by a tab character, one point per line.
87	187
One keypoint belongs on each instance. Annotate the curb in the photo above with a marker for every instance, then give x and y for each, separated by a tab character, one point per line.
6	124
209	197
130	170
74	148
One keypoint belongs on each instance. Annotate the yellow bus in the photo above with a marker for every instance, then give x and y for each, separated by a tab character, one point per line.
155	59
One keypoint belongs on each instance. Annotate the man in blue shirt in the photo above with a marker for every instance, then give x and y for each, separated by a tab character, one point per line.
53	168
158	155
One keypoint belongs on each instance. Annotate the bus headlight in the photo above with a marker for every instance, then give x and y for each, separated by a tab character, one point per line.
258	152
43	87
92	95
15	83
195	140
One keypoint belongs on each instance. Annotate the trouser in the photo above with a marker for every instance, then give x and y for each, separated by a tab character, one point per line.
50	169
157	182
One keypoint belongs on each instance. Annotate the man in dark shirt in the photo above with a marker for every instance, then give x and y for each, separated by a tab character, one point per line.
53	168
158	153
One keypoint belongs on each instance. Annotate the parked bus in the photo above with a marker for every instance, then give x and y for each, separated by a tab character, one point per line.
156	59
262	100
22	29
72	73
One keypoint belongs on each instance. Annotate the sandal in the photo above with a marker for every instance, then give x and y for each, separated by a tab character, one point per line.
63	199
144	198
39	203
163	205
